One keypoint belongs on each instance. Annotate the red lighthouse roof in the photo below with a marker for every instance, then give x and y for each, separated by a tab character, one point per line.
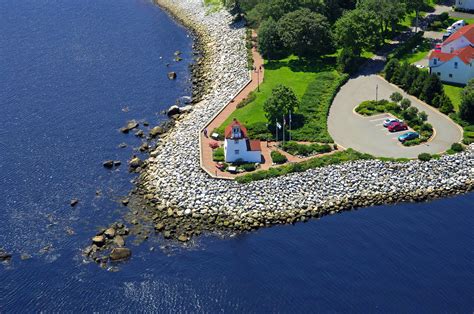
230	127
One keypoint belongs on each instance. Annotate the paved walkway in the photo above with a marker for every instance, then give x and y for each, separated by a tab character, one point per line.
367	135
257	77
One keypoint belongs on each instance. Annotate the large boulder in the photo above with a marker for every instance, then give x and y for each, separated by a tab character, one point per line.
173	110
186	109
135	162
157	130
132	124
172	75
98	240
110	233
120	253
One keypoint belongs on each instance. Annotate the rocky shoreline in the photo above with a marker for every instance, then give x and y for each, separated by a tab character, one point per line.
180	200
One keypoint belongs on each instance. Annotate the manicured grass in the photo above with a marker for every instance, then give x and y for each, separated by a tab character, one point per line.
315	85
417	54
454	93
287	72
336	158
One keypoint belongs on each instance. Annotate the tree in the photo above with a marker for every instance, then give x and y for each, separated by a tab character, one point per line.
347	61
357	30
281	102
399	74
431	87
388	12
466	110
269	42
390	68
409	77
417	87
415	5
396	97
443	102
423	116
305	33
405	104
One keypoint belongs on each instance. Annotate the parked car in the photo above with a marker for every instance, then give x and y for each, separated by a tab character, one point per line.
389	121
438	47
397	127
408	136
457	25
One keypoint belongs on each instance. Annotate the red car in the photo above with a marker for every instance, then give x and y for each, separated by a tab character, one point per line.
438	47
397	127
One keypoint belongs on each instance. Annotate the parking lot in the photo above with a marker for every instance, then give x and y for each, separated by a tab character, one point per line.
367	134
376	123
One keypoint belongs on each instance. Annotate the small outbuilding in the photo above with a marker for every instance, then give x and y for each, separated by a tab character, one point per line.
238	147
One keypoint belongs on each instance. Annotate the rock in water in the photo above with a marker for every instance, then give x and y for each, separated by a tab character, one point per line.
172	75
4	255
119	241
120	253
157	130
108	164
173	110
125	201
98	240
74	202
135	162
110	233
132	124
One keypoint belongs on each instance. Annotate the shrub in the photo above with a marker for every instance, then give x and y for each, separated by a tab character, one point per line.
348	61
218	154
424	157
278	158
396	97
249	167
250	98
259	131
405	103
457	147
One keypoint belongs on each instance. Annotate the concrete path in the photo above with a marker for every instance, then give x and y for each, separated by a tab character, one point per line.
367	135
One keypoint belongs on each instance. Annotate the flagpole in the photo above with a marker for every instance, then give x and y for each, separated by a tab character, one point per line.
283	128
289	134
276	130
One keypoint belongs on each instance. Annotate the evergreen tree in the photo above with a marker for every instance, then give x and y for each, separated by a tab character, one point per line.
466	110
390	68
431	87
417	87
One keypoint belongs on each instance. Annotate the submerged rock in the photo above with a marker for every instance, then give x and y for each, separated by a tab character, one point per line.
4	255
74	202
132	124
172	75
109	164
120	253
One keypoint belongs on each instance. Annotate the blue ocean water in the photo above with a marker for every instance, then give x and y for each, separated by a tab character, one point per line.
71	74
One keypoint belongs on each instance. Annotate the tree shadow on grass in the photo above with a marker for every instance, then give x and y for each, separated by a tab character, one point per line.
327	63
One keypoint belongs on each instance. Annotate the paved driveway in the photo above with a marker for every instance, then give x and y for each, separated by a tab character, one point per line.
365	134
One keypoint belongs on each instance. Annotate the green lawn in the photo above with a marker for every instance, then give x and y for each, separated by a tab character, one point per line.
418	54
298	75
454	93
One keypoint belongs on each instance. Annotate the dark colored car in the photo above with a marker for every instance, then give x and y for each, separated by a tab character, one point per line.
408	136
397	127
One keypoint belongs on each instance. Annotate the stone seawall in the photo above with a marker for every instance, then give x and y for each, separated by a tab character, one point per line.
174	185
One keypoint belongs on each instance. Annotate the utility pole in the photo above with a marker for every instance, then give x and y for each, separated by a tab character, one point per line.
377	93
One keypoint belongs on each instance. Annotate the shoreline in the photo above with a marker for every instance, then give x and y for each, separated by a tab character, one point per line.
184	201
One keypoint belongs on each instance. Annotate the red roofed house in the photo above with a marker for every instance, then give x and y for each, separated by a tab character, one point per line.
453	63
238	147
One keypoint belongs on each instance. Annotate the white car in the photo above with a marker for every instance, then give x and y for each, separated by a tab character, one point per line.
389	121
